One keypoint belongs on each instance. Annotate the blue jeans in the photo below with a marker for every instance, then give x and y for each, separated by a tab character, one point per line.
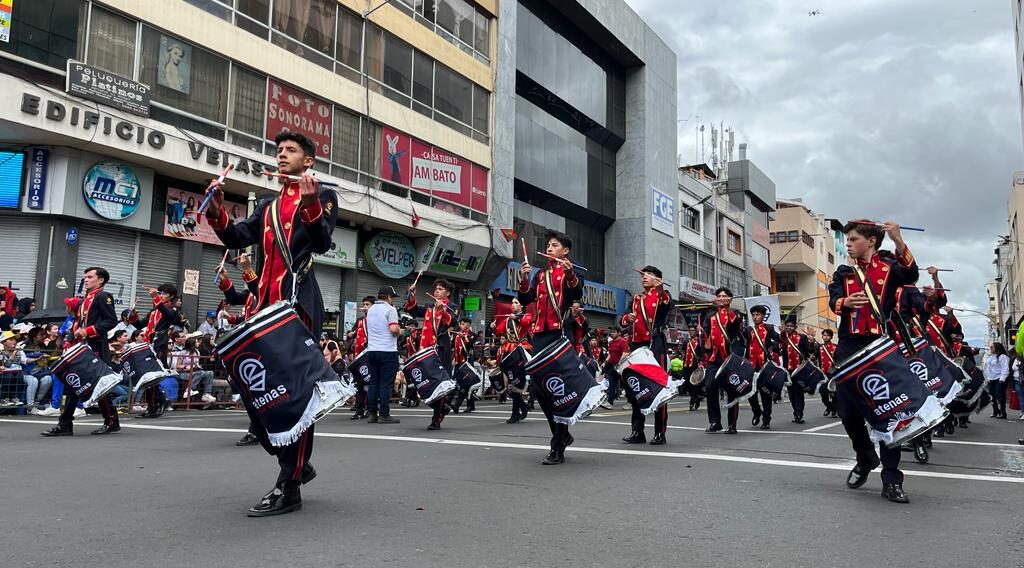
383	368
120	395
36	385
1019	388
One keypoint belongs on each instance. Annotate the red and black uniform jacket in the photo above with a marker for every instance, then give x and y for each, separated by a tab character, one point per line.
463	343
694	354
437	322
97	317
246	298
827	355
516	329
885	274
762	344
650	310
722	328
306	231
412	343
576	328
616	348
551	291
795	348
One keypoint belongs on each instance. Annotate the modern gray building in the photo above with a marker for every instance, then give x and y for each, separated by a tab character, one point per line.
585	140
751	190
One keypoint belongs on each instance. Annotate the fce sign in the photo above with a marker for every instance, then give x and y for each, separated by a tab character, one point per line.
663	212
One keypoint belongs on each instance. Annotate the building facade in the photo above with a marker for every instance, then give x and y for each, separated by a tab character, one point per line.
1009	277
122	110
803	253
751	191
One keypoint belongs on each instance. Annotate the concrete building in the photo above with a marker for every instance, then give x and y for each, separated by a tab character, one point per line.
994	312
1018	43
803	261
751	191
707	219
584	118
1009	275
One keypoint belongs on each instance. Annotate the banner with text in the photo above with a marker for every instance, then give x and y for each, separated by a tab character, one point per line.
414	163
292	110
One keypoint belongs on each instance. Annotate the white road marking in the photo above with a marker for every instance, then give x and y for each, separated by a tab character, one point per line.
818	428
840	466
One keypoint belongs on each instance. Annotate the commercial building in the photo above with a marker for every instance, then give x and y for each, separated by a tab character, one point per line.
121	109
1009	276
751	191
803	253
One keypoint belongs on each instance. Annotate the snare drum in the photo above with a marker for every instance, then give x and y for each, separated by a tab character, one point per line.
82	371
281	374
467	377
560	376
360	370
647	380
807	376
772	378
513	364
142	366
736	376
425	371
697	376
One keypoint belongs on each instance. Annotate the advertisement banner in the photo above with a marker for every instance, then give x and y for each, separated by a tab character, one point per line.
773	314
108	88
700	291
433	171
663	212
6	9
343	249
390	254
181	221
112	190
37	178
292	110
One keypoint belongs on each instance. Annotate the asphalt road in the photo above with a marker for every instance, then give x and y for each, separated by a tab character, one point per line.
173	492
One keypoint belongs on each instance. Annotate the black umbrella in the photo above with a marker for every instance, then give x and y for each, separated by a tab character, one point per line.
46	316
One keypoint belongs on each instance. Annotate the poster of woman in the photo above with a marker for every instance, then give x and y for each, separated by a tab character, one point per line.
174	68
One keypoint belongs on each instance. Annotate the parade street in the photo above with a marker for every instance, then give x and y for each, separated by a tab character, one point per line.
174	491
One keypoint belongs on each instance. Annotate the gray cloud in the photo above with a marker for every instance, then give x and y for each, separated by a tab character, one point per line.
903	110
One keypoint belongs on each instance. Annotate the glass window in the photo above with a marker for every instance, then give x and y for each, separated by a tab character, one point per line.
771	238
759	254
112	42
734	243
446	15
184	76
310	22
350	39
792	236
687	262
259	11
425	8
423	80
785	282
248	96
691	219
482	38
397	64
346	138
705	268
452	93
481	110
214	7
45	31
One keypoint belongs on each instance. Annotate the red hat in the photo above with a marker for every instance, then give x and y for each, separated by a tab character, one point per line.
72	303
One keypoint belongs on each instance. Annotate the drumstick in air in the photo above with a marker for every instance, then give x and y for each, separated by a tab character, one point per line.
297	178
562	260
214	189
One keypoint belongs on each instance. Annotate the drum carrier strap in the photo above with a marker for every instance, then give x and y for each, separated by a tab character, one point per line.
286	253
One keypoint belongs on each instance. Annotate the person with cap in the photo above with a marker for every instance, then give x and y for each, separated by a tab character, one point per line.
438	318
209	326
646	318
382	331
795	350
723	334
94	318
762	346
883	272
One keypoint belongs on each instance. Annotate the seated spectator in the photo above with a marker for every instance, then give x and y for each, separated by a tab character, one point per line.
129	317
185	359
12	361
36	372
209	326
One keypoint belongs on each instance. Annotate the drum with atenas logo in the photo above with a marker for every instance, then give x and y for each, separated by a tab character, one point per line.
494	376
561	376
431	379
736	376
590	364
281	375
467	377
807	376
972	389
771	378
651	385
897	406
513	364
360	370
933	368
82	371
142	366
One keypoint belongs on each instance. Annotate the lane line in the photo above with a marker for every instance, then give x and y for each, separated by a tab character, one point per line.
819	428
841	466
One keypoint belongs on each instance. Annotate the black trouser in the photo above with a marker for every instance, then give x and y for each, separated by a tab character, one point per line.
156	398
796	398
559	432
612	374
293	458
998	391
695	391
853	420
67	412
360	403
518	405
462	395
711	390
440	407
828	398
761	405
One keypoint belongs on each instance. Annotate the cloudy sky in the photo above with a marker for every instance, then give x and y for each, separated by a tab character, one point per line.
889	110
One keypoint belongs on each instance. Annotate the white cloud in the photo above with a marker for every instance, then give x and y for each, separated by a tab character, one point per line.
897	110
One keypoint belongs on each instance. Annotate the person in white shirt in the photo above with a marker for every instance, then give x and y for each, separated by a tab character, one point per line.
997	368
382	332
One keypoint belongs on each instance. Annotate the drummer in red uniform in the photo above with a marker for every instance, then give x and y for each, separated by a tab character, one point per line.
515	327
437	323
692	359
884	272
646	319
359	341
551	291
304	215
723	330
762	343
827	358
795	350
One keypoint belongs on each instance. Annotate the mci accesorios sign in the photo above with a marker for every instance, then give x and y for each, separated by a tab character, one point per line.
112	190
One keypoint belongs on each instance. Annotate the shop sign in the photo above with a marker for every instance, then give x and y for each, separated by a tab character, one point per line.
696	289
292	110
451	258
343	250
390	254
431	170
663	212
112	190
182	221
108	88
37	177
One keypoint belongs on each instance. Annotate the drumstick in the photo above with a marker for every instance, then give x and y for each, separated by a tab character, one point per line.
214	188
445	304
902	228
216	276
943	270
936	289
526	256
563	260
297	178
660	279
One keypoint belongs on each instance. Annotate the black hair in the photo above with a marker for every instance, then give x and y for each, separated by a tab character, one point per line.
137	333
446	284
465	319
652	269
998	348
759	309
866	230
791	320
559	236
119	332
724	289
829	332
370	299
100	273
308	148
169	289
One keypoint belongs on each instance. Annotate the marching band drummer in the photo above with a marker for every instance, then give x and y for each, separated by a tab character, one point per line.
722	328
646	319
762	343
437	324
551	290
693	357
795	350
827	358
304	215
884	273
515	328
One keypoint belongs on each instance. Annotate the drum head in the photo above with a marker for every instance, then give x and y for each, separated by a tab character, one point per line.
697	376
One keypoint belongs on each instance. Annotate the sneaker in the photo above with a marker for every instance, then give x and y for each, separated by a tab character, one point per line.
236	398
606	406
207	397
189	394
35	412
138	409
1021	417
79	412
50	411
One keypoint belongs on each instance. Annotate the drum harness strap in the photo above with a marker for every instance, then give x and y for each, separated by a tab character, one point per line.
876	307
551	297
942	338
286	254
